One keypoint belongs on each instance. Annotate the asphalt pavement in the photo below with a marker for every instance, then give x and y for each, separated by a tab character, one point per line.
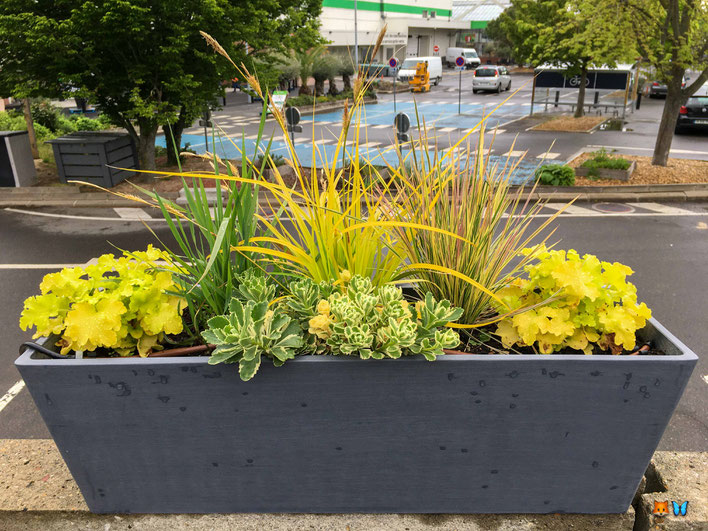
666	245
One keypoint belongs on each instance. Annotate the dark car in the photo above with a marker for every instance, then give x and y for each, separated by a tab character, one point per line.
693	115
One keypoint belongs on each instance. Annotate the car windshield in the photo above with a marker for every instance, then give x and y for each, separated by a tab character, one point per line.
485	72
473	55
702	100
409	64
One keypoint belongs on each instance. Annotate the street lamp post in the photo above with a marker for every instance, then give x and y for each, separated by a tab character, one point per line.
356	38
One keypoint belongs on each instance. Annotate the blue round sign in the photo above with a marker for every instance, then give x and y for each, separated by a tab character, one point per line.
460	61
393	62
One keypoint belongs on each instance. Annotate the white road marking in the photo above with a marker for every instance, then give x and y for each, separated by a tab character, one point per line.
447	129
381	126
132	213
656	207
548	156
514	154
572	209
12	393
497	131
38	266
370	144
70	216
705	378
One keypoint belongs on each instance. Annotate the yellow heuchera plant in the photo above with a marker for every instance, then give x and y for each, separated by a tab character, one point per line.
119	303
593	303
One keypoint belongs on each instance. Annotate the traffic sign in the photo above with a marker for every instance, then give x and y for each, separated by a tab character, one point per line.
278	98
292	115
436	48
460	61
402	122
393	62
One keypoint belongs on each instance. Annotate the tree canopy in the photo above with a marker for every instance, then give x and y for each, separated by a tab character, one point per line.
143	62
566	34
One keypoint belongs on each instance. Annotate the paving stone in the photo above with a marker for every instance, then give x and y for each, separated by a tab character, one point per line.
685	477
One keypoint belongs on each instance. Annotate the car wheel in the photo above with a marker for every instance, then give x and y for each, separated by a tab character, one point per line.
508	87
678	130
499	88
475	91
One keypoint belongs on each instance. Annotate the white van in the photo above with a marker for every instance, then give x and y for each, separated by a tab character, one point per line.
407	69
472	60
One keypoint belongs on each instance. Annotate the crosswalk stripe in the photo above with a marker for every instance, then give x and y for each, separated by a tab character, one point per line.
572	209
132	213
548	156
514	154
656	207
447	129
497	131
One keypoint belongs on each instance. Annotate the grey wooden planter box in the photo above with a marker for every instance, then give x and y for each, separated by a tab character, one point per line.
16	161
605	173
86	156
323	434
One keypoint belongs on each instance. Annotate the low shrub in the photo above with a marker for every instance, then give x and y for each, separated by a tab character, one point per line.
555	175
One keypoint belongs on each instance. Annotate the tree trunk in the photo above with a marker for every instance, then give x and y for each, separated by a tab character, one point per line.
319	87
30	128
333	88
580	107
146	143
674	100
173	137
304	89
347	81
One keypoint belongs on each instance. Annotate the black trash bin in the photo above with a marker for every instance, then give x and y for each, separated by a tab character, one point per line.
100	158
16	161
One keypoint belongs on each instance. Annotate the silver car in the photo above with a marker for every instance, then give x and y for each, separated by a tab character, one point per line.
491	78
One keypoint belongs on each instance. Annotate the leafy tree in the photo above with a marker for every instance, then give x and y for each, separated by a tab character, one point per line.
324	68
307	57
672	35
142	62
565	34
501	46
346	70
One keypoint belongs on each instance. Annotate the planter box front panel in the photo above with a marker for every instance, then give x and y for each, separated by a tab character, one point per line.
525	434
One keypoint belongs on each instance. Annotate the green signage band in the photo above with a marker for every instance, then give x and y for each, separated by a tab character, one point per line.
385	6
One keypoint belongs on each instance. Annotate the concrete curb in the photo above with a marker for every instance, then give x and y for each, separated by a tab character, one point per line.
72	198
37	492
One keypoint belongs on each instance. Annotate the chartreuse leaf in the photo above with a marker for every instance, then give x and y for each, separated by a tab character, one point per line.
593	304
122	304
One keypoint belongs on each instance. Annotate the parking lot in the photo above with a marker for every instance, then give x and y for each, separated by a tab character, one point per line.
436	115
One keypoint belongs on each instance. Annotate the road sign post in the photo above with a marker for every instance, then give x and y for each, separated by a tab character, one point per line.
460	62
393	63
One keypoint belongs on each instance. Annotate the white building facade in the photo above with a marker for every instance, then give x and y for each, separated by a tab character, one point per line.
414	27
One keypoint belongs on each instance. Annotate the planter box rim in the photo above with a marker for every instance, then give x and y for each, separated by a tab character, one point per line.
25	359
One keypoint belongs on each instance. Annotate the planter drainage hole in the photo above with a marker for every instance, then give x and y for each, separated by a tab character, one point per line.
249	461
512	406
485	486
303	405
338	448
477	401
183	409
215	464
443	448
495	471
595	464
464	450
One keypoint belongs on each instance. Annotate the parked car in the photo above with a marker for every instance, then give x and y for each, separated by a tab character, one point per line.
694	115
491	78
472	60
407	69
657	89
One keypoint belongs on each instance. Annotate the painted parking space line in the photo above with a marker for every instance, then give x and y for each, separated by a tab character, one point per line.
447	129
656	207
572	209
515	154
132	213
548	156
71	216
11	393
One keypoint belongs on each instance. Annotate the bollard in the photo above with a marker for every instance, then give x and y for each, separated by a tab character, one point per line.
557	98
